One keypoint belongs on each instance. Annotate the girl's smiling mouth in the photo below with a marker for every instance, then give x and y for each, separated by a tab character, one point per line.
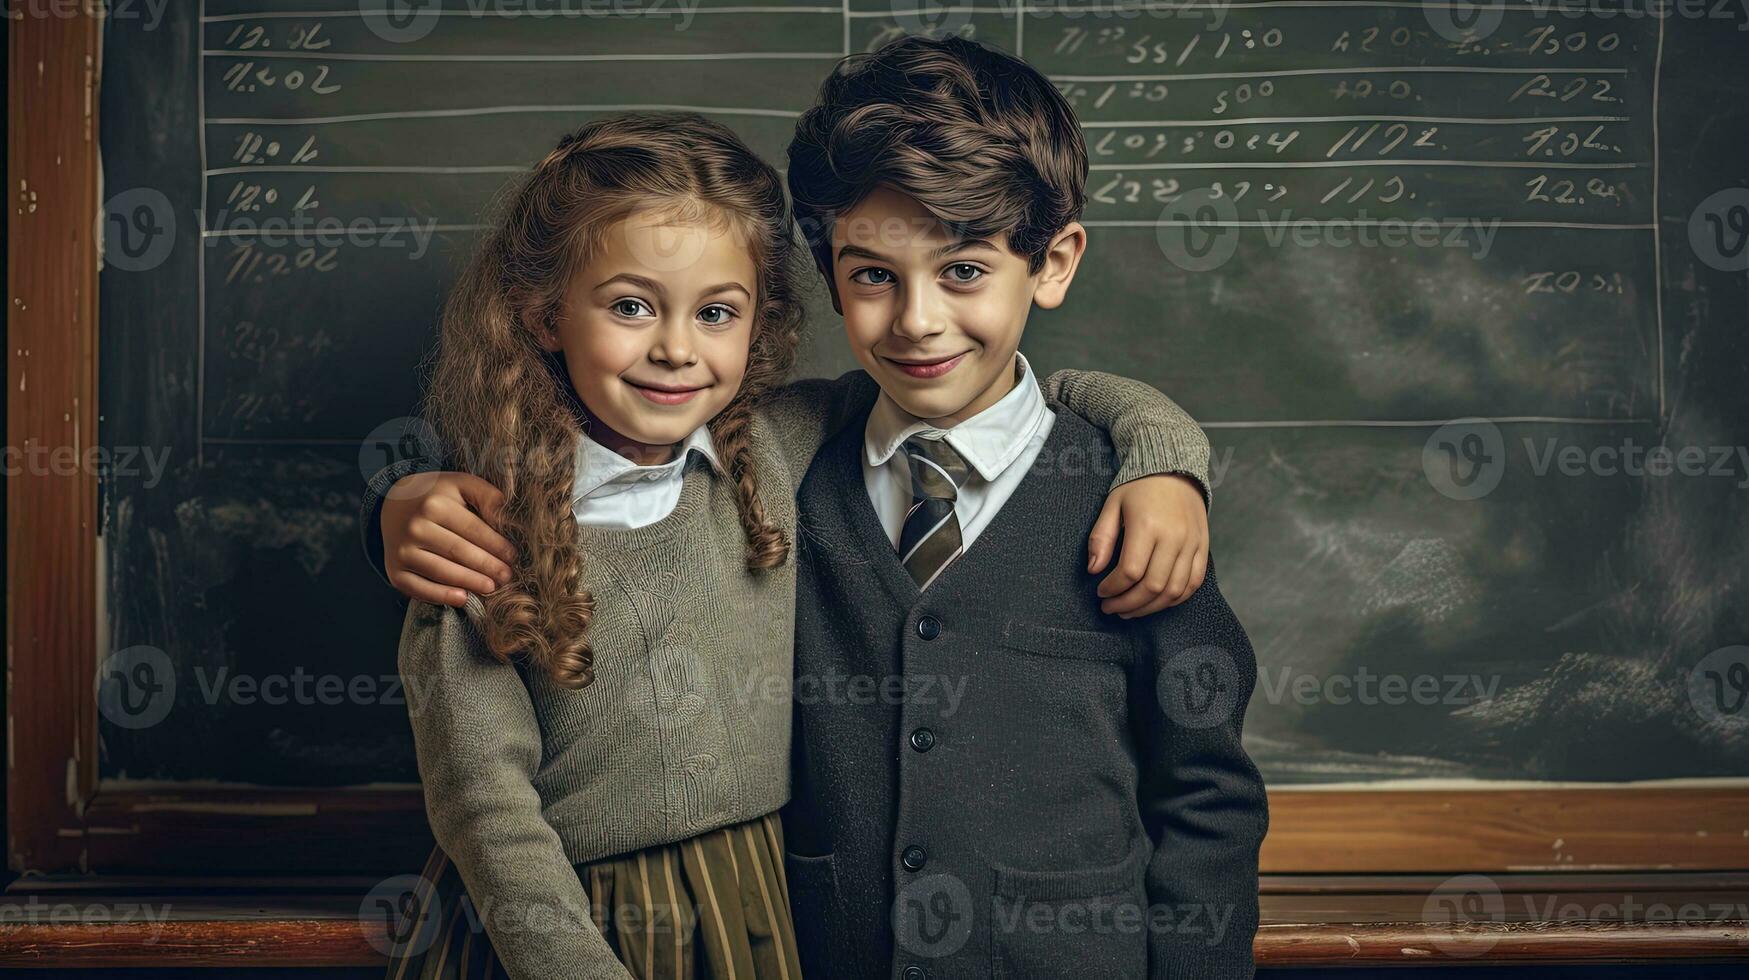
666	394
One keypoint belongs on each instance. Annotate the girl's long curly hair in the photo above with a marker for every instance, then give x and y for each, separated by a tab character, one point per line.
505	408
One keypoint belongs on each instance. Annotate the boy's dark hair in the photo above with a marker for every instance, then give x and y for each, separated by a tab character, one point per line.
977	136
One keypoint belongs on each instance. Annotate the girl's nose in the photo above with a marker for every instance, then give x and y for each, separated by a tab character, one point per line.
673	346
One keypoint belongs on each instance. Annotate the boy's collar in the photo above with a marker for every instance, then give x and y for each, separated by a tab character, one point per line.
990	441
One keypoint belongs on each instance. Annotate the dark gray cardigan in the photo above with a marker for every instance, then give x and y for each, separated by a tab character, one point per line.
993	778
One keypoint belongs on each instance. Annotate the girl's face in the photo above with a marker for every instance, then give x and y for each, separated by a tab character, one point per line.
655	331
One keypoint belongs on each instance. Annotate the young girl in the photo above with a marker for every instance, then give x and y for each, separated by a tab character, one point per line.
600	756
604	739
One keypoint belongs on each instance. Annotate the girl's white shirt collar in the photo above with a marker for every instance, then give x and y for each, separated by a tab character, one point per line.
609	490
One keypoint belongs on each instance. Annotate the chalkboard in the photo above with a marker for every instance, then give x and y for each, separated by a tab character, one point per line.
1330	230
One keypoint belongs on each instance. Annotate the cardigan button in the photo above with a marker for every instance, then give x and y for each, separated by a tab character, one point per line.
929	627
923	740
914	857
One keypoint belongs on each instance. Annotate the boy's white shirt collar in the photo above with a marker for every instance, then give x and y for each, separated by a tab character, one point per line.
990	441
601	472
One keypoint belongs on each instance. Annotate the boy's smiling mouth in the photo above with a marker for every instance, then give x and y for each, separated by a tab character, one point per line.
922	368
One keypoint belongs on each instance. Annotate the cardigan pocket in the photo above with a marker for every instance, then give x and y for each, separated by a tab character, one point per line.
1072	644
1089	922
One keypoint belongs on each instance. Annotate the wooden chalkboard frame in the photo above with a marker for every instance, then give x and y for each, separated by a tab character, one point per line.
61	818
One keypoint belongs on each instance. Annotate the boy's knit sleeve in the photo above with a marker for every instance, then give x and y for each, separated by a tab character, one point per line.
1201	796
370	511
1151	434
805	414
479	747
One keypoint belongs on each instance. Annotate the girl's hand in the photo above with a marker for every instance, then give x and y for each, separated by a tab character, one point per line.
1165	545
437	544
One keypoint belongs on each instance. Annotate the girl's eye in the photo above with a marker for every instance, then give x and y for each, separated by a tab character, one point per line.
630	307
871	274
716	316
963	272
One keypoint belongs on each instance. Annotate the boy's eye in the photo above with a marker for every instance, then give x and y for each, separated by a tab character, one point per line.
872	277
716	315
964	272
630	307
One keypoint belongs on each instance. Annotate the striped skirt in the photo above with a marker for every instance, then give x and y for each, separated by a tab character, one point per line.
715	907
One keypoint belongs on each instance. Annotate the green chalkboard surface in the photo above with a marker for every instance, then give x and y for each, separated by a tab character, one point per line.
1459	293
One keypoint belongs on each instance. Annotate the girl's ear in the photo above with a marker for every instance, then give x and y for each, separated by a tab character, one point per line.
546	333
1062	258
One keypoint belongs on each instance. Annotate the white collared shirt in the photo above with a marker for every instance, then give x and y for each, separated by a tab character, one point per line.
609	490
1000	444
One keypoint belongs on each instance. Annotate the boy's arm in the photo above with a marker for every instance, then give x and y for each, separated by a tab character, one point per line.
425	531
1201	796
805	414
1159	498
479	748
376	492
439	524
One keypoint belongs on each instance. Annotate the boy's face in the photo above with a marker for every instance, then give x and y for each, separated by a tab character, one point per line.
933	318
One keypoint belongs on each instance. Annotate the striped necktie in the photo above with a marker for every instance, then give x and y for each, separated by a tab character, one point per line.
931	537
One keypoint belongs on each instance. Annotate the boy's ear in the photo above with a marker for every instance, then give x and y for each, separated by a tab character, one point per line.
1062	258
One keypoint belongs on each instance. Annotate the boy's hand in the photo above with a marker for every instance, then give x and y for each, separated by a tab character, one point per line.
437	545
1165	545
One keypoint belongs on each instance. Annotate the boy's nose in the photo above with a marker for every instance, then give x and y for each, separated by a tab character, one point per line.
920	317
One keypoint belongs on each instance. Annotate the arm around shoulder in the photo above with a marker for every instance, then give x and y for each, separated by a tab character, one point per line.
1151	433
370	511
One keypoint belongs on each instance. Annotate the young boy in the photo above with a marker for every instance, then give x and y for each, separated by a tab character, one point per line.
1060	793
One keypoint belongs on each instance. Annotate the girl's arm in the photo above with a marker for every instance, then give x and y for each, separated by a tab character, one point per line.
806	414
479	748
1159	494
1159	490
1152	435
